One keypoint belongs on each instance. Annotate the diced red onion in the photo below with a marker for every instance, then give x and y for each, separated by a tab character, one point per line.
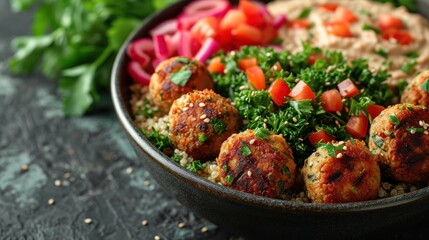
173	43
166	27
186	22
216	8
276	48
138	74
209	47
279	21
185	44
141	51
199	9
161	48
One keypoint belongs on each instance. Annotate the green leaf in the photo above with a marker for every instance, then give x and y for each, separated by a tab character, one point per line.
415	130
181	77
425	85
77	96
29	51
409	67
394	119
162	3
412	54
177	157
160	141
43	19
409	4
331	148
382	52
195	166
218	125
245	150
303	107
262	133
377	140
367	27
182	60
50	66
22	5
229	179
120	30
305	13
202	138
357	107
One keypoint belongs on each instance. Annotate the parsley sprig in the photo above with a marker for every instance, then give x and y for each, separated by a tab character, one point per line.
76	41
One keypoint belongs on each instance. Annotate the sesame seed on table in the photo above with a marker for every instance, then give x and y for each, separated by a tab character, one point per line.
78	178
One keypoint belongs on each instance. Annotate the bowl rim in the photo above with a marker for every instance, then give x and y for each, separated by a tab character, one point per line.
126	120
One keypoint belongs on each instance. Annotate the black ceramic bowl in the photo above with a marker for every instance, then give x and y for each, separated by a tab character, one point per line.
245	214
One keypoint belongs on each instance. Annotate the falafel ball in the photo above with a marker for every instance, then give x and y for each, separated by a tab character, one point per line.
200	121
176	76
414	92
400	136
341	172
260	164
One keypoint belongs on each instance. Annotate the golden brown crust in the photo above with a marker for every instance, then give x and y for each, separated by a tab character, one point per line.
400	136
268	168
414	94
351	176
200	121
163	91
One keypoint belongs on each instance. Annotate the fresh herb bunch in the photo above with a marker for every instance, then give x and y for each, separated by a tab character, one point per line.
295	120
76	41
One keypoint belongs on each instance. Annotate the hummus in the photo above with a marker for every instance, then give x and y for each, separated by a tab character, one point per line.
402	61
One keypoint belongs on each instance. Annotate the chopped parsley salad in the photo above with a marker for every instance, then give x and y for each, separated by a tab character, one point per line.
310	97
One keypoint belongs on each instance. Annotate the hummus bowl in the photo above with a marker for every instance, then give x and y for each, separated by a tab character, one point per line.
245	214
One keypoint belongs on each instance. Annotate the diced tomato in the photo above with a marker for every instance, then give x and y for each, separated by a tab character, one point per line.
344	14
206	27
314	56
276	67
302	92
340	29
256	77
216	66
402	37
279	90
347	88
269	33
252	11
357	126
246	63
332	101
374	110
224	38
232	19
319	136
245	34
329	6
388	21
299	24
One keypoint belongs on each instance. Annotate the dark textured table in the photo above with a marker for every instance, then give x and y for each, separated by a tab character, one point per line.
78	178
